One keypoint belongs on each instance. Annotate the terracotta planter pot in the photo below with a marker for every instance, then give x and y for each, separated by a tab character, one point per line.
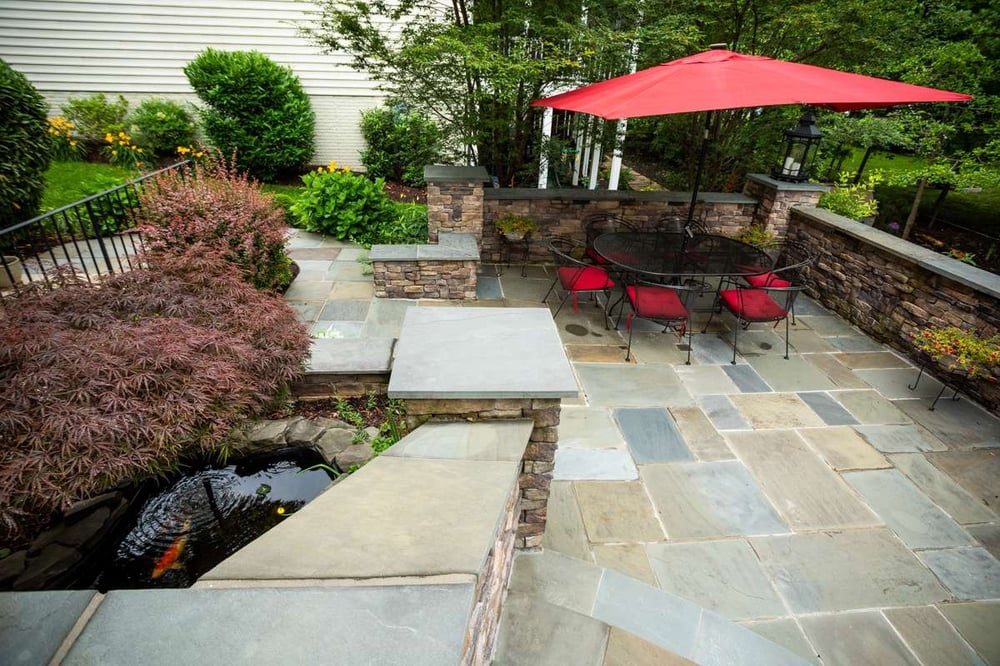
10	267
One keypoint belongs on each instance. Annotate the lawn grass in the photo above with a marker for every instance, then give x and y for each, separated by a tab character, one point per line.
292	191
67	182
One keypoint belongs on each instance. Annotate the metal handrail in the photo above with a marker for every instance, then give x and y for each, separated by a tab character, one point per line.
94	236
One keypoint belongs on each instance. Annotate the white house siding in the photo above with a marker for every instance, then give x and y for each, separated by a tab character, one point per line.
74	48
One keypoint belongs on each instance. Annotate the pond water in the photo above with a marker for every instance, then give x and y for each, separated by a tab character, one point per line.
184	529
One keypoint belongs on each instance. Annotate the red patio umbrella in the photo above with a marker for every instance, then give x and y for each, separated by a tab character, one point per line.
718	79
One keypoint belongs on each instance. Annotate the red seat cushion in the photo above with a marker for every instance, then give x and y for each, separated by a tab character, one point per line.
752	305
590	278
656	303
766	280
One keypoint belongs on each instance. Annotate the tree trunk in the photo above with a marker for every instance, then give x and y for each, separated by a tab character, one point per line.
912	218
864	162
937	204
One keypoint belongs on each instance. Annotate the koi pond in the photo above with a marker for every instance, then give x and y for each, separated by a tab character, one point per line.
183	529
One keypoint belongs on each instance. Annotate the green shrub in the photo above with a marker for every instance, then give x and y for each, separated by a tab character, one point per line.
855	201
214	208
347	206
95	117
120	383
408	227
162	126
254	108
400	144
25	146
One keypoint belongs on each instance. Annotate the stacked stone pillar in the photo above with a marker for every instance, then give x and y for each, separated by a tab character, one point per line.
776	197
455	200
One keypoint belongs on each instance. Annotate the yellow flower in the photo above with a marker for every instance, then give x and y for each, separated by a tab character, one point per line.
347	169
109	138
138	150
72	142
199	154
332	166
281	510
181	150
114	153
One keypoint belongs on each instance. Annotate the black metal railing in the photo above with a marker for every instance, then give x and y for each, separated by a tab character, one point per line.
93	237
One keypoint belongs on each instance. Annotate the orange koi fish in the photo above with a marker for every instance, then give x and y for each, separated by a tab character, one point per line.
169	559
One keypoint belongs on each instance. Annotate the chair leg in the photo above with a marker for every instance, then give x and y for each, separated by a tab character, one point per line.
551	287
561	304
736	339
628	350
786	337
709	322
690	331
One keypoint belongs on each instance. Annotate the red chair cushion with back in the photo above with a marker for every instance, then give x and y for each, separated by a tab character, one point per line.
590	278
752	305
595	256
656	303
766	280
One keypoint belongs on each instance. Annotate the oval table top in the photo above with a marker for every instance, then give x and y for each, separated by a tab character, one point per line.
679	255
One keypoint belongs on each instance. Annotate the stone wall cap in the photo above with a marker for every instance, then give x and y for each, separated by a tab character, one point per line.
480	353
953	269
335	356
482	440
451	246
440	173
776	184
578	194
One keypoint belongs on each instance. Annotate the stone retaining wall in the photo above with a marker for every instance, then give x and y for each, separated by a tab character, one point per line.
451	280
326	385
491	589
561	212
539	457
454	199
889	287
777	198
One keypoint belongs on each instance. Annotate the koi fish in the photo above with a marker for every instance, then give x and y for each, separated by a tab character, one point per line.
169	559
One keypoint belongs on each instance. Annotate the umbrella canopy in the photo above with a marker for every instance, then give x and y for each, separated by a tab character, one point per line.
718	79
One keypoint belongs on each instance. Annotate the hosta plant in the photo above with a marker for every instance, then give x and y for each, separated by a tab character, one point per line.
215	207
961	351
100	386
345	205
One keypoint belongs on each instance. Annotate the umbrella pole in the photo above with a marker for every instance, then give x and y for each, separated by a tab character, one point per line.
700	168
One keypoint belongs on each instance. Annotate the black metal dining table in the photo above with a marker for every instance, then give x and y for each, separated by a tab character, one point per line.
679	257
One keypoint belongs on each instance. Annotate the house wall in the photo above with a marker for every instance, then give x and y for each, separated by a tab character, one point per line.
74	48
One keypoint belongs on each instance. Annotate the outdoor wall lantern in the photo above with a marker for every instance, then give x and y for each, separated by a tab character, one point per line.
801	144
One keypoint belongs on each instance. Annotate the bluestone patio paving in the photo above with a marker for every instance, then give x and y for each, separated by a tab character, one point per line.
818	493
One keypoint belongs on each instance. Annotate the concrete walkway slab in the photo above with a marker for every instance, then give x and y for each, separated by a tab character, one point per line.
494	440
977	622
942	489
722	413
765	411
786	633
480	353
652	435
34	624
908	512
705	379
977	471
827	408
625	649
418	624
844	449
870	408
543	634
962	424
616	512
588	428
894	383
931	637
722	576
594	465
397	497
701	438
862	639
807	493
838	571
970	573
746	379
556	579
704	500
792	374
900	438
632	386
627	558
564	529
838	373
856	343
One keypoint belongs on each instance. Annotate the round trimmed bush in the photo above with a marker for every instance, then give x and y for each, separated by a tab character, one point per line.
256	108
400	144
163	126
25	147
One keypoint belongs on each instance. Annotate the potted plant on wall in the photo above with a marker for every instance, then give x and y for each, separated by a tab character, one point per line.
515	227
